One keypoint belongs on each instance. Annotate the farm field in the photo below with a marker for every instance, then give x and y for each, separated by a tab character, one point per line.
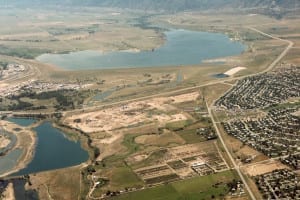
154	132
195	188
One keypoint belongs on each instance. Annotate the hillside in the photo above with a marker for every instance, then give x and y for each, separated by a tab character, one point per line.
168	5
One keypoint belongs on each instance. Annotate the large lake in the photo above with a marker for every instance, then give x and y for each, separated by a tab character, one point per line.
182	47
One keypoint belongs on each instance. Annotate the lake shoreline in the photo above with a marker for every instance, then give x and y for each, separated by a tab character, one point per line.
174	52
28	148
48	158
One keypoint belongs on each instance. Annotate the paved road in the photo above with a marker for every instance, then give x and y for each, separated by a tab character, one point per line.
270	67
271	189
278	59
236	167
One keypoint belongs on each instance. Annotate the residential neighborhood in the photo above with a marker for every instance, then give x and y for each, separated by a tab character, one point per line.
279	184
11	70
263	90
276	135
37	86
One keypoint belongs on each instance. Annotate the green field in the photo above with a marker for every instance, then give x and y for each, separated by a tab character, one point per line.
178	125
189	133
192	189
190	136
120	178
151	159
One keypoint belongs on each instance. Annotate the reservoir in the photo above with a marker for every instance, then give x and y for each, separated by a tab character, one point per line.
9	161
54	151
182	47
21	121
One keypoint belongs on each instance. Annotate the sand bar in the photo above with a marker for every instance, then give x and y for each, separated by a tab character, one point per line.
234	71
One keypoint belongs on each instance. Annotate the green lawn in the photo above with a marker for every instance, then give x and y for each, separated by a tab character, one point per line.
117	160
125	177
151	160
178	124
120	178
192	189
190	136
166	192
130	144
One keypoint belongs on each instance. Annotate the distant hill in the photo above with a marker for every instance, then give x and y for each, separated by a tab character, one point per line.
167	5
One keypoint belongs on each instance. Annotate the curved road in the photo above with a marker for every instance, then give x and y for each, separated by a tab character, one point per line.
270	67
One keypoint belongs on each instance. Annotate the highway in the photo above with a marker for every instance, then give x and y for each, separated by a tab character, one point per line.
223	81
269	68
236	167
209	107
286	50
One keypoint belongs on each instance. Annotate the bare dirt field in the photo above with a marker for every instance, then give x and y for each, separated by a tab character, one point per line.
130	114
263	167
248	152
128	135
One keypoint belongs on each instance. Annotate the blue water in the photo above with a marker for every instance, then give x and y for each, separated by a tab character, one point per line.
182	47
9	161
21	121
220	76
54	151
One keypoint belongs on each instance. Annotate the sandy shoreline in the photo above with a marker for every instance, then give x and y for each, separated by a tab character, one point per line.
9	193
4	142
26	140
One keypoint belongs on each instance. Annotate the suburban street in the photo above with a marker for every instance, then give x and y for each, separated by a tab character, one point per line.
236	166
209	107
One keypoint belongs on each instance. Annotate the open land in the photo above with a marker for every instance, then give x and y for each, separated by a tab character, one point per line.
8	194
158	145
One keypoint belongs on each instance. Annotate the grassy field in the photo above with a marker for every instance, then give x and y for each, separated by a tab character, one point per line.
190	136
178	125
197	188
120	178
124	177
165	139
60	184
28	33
153	157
